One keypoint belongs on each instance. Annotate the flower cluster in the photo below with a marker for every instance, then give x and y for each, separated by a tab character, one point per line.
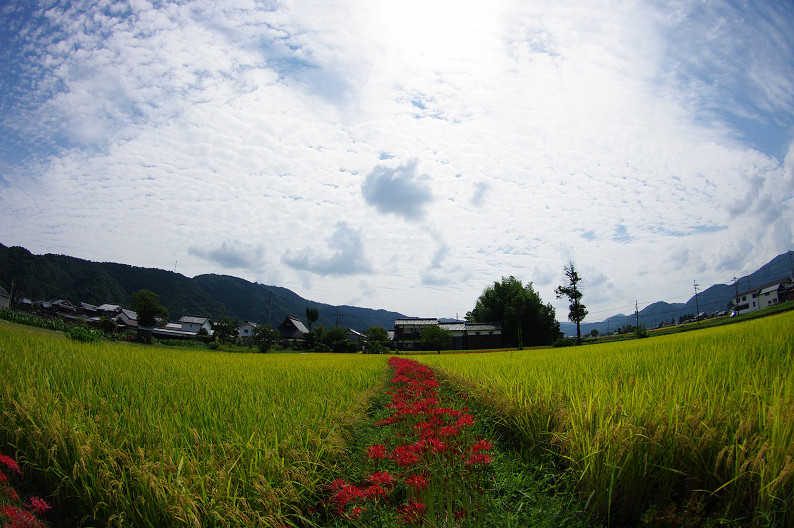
430	449
11	510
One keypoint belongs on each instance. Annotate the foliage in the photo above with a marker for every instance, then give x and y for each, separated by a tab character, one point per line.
640	332
377	340
266	337
224	329
337	339
524	318
577	311
83	334
147	305
311	316
433	337
206	439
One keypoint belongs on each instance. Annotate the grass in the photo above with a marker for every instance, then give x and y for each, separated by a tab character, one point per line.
125	434
707	414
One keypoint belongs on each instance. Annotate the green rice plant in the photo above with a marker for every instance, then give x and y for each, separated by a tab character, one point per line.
707	415
131	435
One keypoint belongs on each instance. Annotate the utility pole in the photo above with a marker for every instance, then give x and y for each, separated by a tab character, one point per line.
637	313
337	318
270	313
12	290
697	304
736	298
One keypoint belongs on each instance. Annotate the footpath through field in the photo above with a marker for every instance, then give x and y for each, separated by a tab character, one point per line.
426	460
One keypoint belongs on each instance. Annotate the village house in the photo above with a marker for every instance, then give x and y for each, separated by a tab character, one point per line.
292	328
763	296
194	324
465	336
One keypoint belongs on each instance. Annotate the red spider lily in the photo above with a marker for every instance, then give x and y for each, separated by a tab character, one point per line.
377	452
19	518
478	460
482	445
343	493
11	494
419	482
383	478
404	456
412	512
39	505
466	419
10	463
3	478
375	492
449	431
356	512
387	421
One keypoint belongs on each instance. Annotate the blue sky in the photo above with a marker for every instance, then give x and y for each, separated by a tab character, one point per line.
404	155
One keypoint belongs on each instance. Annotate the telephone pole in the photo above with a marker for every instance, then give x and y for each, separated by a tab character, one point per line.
637	313
697	304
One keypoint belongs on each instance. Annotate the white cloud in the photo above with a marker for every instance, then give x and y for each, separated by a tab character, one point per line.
221	134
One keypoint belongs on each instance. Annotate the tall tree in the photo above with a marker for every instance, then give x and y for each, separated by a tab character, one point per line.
147	305
311	316
524	318
571	290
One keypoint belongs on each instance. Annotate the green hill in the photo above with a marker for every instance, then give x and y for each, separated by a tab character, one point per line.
49	277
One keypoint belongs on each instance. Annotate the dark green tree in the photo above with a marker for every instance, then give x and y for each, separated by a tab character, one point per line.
377	339
224	329
524	318
311	316
433	337
265	337
337	339
570	289
147	305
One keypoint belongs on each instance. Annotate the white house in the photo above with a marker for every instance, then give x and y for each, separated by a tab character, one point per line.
763	296
246	329
195	324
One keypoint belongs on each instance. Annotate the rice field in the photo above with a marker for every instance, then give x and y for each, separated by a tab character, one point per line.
146	436
707	415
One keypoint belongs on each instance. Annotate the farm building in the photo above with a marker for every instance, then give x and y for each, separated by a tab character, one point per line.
465	336
292	328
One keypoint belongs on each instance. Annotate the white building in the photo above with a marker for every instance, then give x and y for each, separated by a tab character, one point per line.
763	296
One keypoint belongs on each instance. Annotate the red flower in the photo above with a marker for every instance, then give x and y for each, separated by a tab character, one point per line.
450	430
19	518
356	513
404	456
10	463
419	482
466	419
381	477
482	445
11	494
3	478
39	505
479	459
412	512
377	451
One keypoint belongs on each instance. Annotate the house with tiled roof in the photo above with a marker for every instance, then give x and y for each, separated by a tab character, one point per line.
195	324
764	296
292	328
465	336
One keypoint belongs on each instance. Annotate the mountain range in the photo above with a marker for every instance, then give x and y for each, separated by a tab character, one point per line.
716	298
49	277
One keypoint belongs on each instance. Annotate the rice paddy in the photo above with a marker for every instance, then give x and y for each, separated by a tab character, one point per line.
129	435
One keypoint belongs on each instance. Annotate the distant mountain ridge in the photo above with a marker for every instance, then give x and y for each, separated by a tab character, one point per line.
713	299
49	277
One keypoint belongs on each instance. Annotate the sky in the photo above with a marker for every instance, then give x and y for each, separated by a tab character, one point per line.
404	155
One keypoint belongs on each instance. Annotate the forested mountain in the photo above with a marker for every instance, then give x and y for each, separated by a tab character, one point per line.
49	277
712	299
